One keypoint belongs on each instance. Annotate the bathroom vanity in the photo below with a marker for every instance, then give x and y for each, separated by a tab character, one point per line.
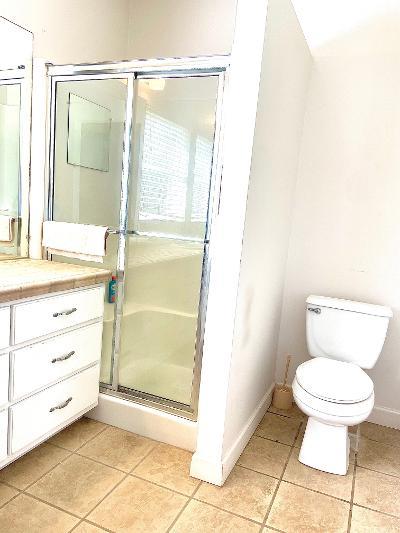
51	321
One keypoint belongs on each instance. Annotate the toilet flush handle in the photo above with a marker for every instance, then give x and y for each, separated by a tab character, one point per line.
316	310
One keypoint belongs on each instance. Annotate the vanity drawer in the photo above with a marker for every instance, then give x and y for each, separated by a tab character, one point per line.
44	412
4	372
4	327
3	434
48	315
46	362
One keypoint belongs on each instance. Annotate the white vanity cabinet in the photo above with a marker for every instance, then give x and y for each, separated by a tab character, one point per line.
50	348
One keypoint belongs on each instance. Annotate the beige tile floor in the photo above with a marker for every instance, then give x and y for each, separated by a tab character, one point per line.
93	478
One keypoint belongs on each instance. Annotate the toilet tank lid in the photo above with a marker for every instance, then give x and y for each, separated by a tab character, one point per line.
349	305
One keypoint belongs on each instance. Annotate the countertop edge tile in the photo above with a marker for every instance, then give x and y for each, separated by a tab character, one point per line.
25	278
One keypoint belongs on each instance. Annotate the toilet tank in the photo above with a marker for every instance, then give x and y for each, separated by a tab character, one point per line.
346	330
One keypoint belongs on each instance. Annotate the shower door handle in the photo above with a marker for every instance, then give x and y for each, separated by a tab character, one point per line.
122	232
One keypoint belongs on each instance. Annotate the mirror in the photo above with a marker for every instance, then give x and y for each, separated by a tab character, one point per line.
15	125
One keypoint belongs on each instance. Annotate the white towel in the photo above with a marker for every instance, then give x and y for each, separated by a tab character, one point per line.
79	241
6	228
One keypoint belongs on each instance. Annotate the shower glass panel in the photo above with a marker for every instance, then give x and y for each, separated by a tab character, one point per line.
173	138
87	162
10	106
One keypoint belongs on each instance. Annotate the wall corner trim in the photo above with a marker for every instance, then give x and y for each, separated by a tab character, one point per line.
217	472
233	454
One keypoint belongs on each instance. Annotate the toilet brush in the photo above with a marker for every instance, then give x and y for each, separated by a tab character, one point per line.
283	395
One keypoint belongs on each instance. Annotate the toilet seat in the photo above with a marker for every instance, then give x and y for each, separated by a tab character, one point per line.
334	381
332	411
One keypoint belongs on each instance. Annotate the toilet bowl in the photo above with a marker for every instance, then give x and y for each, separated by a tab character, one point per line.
332	389
334	395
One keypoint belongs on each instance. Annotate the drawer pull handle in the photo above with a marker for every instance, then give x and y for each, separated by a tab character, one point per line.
65	313
61	405
63	357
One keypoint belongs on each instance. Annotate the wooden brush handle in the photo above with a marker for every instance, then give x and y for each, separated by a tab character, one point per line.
289	357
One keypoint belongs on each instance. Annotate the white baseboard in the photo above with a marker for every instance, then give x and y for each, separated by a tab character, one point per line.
216	473
206	470
146	421
385	417
229	461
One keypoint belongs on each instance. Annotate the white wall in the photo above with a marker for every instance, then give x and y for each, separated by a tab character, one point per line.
173	28
346	229
238	373
73	31
286	70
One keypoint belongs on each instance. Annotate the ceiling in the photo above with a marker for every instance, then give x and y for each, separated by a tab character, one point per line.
328	23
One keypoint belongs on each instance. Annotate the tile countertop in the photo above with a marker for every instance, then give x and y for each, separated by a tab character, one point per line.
24	278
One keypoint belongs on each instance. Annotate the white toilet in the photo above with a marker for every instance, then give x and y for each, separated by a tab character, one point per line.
343	337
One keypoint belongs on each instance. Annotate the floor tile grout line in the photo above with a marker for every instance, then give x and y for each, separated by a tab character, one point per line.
293	483
159	485
376	511
51	505
10	500
273	529
9	485
102	528
264	523
258	471
381	441
47	472
69	454
271	440
179	515
115	467
301	418
378	471
353	482
126	474
91	438
83	520
256	522
91	523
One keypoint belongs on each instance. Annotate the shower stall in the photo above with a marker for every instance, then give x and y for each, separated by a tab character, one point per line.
134	147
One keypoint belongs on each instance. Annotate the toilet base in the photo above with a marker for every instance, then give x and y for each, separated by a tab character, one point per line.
325	447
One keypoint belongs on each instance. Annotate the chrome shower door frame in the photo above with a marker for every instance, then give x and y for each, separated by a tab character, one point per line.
132	71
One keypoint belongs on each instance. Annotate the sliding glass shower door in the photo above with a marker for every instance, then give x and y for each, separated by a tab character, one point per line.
173	138
137	154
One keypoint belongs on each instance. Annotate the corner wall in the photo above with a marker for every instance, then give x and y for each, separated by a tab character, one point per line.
286	68
346	230
239	358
